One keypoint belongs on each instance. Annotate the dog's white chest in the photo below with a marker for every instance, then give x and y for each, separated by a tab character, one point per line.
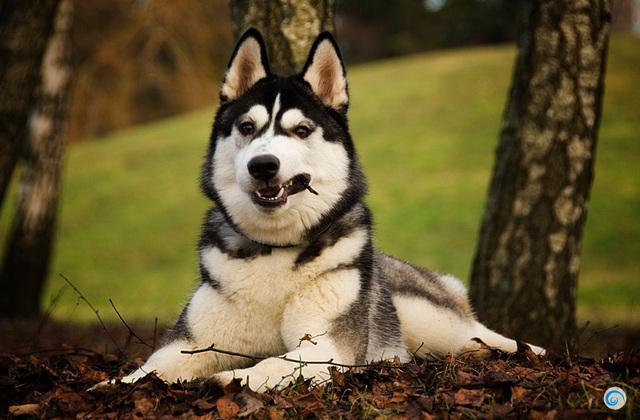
269	280
251	295
248	304
260	282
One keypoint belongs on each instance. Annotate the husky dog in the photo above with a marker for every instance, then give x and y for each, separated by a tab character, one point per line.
286	256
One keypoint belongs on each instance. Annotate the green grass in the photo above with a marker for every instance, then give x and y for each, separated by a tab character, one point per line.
131	216
425	126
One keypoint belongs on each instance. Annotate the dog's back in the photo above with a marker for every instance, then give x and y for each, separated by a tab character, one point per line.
435	314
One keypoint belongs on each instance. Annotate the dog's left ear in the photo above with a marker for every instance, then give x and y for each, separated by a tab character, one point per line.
325	73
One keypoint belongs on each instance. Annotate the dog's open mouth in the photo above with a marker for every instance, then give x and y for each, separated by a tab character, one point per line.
275	196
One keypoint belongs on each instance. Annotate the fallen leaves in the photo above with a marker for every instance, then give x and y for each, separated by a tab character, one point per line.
55	385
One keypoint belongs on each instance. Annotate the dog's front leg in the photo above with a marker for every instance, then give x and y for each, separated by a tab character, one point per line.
309	361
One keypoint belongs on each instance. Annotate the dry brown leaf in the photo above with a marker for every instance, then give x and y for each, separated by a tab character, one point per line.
501	410
399	398
472	397
273	414
426	402
426	416
203	404
145	406
308	337
337	377
517	394
24	410
248	400
227	408
467	379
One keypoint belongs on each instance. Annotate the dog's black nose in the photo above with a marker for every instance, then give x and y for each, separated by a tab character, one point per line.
264	167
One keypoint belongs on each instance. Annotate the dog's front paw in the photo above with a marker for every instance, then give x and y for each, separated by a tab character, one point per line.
133	377
258	380
102	384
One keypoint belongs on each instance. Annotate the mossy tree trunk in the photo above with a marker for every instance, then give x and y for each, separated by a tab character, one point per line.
28	250
288	27
525	273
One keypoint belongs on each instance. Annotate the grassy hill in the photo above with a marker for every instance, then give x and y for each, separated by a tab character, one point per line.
426	127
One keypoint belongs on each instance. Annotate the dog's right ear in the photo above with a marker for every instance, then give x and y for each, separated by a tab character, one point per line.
247	66
325	73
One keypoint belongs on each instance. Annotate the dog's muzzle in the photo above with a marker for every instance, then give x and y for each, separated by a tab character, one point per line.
264	168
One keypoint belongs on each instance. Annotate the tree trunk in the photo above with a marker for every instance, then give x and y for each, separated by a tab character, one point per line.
24	30
288	27
525	272
27	255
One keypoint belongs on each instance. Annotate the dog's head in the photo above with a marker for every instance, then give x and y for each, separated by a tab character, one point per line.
281	162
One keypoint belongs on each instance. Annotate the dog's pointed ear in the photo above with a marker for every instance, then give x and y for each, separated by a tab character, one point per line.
325	73
247	66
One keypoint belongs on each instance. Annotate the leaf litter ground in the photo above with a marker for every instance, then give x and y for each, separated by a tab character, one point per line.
54	384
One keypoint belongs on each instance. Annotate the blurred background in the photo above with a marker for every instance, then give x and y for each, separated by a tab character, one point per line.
428	81
137	61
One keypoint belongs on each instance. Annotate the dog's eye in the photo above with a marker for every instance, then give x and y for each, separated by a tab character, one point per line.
247	128
302	131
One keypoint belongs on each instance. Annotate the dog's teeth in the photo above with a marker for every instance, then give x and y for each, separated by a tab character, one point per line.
267	197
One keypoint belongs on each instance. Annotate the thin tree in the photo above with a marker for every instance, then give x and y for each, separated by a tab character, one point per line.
525	273
289	28
41	146
24	30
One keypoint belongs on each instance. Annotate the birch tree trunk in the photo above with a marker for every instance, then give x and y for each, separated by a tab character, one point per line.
24	30
525	273
28	251
288	27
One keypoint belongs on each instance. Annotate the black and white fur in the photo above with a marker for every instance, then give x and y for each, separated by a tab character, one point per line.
287	251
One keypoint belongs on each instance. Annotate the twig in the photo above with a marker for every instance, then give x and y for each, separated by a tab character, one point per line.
414	354
596	333
308	337
140	340
576	345
428	356
418	349
104	327
285	358
230	353
47	313
155	332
